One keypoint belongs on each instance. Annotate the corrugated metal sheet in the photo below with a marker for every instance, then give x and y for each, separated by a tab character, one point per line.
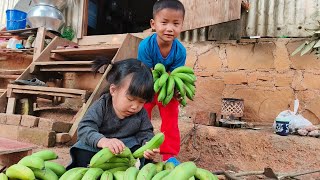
4	5
276	18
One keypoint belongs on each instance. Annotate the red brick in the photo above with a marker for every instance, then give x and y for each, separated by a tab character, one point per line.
13	119
13	158
63	137
52	125
3	118
37	136
204	118
9	131
29	121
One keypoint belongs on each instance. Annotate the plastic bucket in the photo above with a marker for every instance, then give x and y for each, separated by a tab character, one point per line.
282	126
16	19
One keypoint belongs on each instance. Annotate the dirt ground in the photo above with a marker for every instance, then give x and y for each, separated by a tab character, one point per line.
239	150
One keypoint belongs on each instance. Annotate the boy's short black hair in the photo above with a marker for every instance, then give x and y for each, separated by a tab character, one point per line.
171	4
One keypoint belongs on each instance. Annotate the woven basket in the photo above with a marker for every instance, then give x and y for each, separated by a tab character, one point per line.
232	107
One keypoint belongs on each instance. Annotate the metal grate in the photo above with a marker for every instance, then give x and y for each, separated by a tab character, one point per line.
232	107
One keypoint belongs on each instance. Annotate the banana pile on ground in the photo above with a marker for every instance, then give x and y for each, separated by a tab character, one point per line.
181	78
35	166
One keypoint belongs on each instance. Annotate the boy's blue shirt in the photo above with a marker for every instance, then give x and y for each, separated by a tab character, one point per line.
149	53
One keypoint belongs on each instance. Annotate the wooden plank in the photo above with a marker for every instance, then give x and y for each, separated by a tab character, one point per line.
11	105
225	31
8	146
19	31
8	76
65	69
11	72
48	89
128	49
83	19
201	13
50	63
39	42
2	90
113	39
35	92
50	35
105	49
57	57
45	55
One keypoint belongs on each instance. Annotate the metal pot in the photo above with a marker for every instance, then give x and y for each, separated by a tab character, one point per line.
59	4
45	16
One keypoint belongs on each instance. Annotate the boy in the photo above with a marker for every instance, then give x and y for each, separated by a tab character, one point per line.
163	47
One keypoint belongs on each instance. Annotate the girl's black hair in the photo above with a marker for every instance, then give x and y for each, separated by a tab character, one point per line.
171	4
141	84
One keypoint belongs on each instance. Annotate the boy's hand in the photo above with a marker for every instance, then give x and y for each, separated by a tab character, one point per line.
151	154
115	145
177	95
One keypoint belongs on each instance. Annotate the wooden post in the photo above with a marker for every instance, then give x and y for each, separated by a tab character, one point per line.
11	105
39	42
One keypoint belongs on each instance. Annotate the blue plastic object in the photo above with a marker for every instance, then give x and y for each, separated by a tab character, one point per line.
174	161
16	19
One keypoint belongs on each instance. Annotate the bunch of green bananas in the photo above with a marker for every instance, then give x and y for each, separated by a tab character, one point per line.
181	78
36	165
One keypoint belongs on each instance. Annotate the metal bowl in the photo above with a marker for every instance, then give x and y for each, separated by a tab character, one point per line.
45	16
60	4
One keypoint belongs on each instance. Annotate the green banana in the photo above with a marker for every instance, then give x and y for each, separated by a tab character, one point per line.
183	69
126	153
169	166
191	87
46	155
3	176
116	159
154	143
123	168
147	172
101	157
32	162
119	175
184	170
108	165
156	86
170	85
185	77
131	173
160	68
92	174
74	174
168	99
58	169
106	175
192	178
163	79
161	175
155	75
160	166
45	174
19	171
180	86
189	93
203	174
163	93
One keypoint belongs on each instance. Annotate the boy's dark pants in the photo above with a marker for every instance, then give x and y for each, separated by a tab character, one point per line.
81	158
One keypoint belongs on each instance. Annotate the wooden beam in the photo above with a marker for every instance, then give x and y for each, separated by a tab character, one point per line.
11	105
50	63
93	50
45	55
11	72
128	49
39	42
50	35
57	57
7	76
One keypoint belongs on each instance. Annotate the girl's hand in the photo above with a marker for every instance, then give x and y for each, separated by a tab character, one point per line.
151	154
115	145
177	95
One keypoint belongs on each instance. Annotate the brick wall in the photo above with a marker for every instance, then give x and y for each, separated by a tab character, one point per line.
262	72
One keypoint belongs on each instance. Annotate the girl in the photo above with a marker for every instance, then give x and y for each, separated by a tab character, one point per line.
118	118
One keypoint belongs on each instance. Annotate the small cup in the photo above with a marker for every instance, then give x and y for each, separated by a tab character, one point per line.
282	126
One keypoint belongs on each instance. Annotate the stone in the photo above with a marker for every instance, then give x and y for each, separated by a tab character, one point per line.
282	61
53	125
250	56
313	106
191	58
283	80
3	118
239	77
297	81
29	121
13	119
37	136
63	137
310	81
9	131
209	61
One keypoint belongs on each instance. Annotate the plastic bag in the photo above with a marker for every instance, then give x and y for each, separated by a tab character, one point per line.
296	121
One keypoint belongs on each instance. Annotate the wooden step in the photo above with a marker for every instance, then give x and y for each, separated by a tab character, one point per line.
2	90
10	74
42	90
61	66
85	53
